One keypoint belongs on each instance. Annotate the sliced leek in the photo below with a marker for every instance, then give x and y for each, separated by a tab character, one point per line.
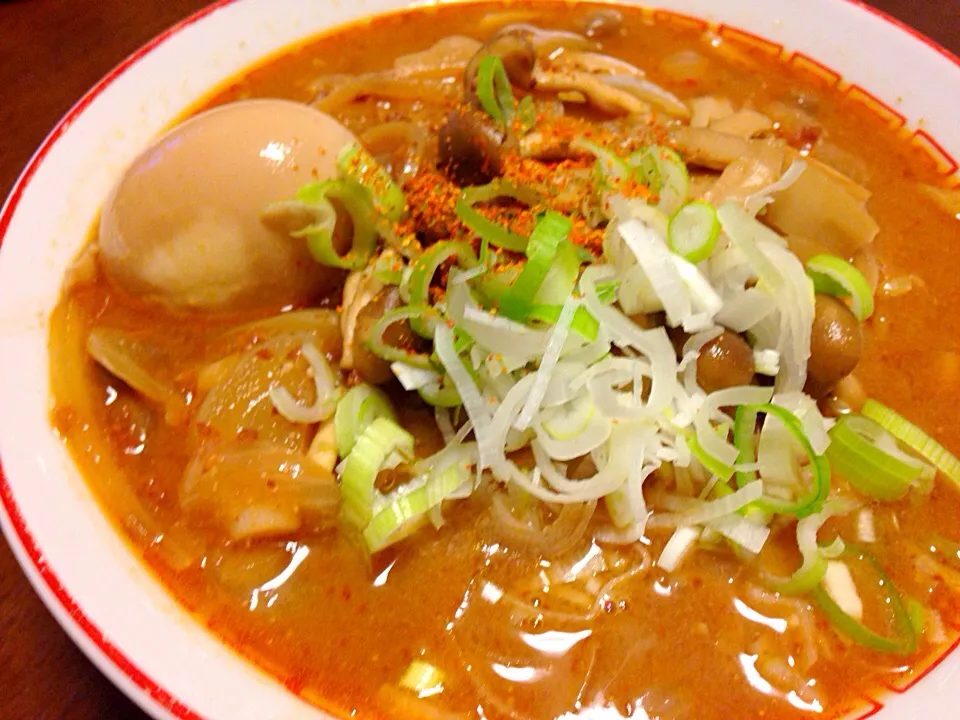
855	453
836	276
383	443
357	164
693	231
914	438
320	235
387	526
903	641
356	410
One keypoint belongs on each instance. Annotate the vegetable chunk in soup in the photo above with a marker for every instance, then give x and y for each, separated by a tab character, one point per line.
532	362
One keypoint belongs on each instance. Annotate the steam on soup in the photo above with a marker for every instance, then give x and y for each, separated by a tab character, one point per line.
525	363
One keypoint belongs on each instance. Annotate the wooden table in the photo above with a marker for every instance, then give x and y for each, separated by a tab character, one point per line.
51	51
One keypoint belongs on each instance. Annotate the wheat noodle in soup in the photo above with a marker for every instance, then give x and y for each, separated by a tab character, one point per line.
532	361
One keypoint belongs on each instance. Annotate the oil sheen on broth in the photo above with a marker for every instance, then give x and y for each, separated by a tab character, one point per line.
517	633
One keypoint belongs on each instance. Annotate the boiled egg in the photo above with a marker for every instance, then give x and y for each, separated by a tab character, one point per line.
183	226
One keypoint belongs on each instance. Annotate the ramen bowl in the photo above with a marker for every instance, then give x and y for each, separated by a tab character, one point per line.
108	601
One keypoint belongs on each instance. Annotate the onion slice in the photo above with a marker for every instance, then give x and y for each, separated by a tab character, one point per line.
326	392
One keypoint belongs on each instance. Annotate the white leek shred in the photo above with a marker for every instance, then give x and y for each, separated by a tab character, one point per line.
654	345
550	358
477	409
495	331
413	378
866	528
596	432
814	556
653	255
677	547
744	309
754	203
747	534
710	440
444	424
780	274
623	402
704	299
715	509
766	362
627	506
809	415
326	392
838	584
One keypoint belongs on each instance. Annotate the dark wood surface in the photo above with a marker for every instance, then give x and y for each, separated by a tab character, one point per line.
51	51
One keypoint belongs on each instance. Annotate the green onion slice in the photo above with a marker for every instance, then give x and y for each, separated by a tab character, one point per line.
745	440
391	523
917	613
381	349
550	232
423	271
810	573
646	169
355	200
526	115
493	285
355	163
693	231
489	231
389	267
811	500
607	291
855	454
494	90
561	276
356	410
664	171
610	170
383	443
914	438
584	324
715	466
440	393
830	273
904	640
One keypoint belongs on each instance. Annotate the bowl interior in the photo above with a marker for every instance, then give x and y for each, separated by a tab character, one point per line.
112	606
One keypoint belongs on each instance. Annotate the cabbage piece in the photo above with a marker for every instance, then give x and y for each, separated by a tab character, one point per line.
258	490
323	324
139	364
70	382
241	405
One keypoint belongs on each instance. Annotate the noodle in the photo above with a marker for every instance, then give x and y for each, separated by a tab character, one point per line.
554	539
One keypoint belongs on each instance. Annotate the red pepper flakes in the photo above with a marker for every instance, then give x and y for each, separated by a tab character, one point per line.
432	197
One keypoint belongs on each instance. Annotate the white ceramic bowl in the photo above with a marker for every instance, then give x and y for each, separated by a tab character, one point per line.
97	589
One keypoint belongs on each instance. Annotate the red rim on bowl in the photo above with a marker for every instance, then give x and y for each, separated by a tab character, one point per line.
14	526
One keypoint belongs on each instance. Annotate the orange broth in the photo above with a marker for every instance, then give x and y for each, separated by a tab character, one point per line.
343	628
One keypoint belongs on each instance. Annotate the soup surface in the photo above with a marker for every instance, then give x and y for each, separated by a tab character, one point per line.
513	608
